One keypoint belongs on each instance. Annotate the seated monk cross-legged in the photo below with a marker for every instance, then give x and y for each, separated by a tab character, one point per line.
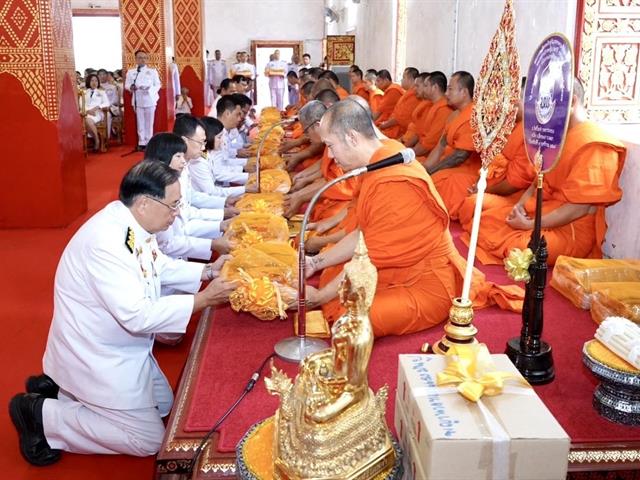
429	128
411	136
396	125
392	93
576	192
454	163
409	244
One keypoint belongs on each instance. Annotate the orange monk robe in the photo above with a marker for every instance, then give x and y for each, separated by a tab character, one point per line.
432	128
360	90
342	93
375	99
297	131
587	173
418	117
453	183
402	114
338	196
389	100
512	166
419	269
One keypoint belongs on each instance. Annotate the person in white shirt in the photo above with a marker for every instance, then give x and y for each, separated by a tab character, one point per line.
216	71
178	241
175	78
95	104
306	61
144	84
184	104
244	68
227	87
228	168
276	70
202	170
103	391
294	88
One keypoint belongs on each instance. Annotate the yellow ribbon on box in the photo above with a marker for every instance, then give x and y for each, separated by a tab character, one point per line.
471	368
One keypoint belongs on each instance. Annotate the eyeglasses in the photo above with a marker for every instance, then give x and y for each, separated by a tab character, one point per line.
308	127
201	143
173	208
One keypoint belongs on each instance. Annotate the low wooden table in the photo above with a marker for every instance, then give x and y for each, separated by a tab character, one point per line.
178	446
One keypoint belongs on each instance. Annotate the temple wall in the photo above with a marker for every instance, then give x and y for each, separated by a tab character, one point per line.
230	25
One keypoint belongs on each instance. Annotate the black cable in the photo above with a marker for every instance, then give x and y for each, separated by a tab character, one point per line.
250	384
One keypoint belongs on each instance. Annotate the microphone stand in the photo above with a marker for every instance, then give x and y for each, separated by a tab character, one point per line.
296	348
261	144
135	116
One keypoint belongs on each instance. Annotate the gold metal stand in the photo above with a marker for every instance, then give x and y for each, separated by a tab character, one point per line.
459	329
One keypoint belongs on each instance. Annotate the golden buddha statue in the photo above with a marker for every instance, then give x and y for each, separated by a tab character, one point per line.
330	424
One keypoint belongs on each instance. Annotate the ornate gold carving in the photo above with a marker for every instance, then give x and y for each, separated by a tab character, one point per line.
609	63
329	423
497	92
341	49
36	48
143	24
604	456
187	15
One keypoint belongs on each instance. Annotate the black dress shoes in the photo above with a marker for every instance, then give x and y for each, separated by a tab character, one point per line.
25	410
42	384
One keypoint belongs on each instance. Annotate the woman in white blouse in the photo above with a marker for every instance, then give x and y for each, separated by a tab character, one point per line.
95	100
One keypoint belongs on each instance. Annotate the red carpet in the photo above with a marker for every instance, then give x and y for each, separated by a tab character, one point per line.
29	259
238	344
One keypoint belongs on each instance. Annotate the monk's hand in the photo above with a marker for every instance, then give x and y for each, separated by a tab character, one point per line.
314	244
473	189
230	212
312	297
231	200
518	218
292	204
285	147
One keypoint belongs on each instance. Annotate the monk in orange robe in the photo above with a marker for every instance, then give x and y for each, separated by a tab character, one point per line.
400	118
392	93
575	192
509	174
431	128
454	163
374	94
411	136
357	84
335	82
418	266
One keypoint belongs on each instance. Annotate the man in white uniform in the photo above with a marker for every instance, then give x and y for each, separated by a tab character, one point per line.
276	70
216	72
144	84
103	391
227	167
244	68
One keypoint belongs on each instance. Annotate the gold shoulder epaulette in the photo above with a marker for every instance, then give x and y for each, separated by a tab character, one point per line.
130	239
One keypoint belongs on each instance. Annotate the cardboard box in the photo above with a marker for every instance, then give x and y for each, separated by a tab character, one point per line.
411	461
512	435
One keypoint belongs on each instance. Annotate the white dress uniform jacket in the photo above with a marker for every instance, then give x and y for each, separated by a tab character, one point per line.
95	98
203	177
107	308
245	69
145	77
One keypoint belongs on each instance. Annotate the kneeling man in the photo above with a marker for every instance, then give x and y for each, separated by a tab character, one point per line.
103	391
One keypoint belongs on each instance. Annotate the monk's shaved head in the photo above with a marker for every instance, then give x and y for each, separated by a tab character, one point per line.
329	75
423	76
465	80
438	79
315	72
322	84
360	101
307	87
311	113
370	76
328	97
357	73
384	75
411	72
348	116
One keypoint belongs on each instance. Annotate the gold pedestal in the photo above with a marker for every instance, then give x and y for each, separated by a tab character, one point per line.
459	329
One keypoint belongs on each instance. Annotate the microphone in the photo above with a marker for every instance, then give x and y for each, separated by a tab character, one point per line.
139	68
405	156
295	349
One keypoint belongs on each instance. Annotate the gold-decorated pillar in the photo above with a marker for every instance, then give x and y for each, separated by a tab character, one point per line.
188	21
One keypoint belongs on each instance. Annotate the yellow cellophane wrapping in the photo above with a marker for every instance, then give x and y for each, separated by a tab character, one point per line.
249	228
574	277
266	162
272	203
269	116
271	180
262	297
616	299
276	260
